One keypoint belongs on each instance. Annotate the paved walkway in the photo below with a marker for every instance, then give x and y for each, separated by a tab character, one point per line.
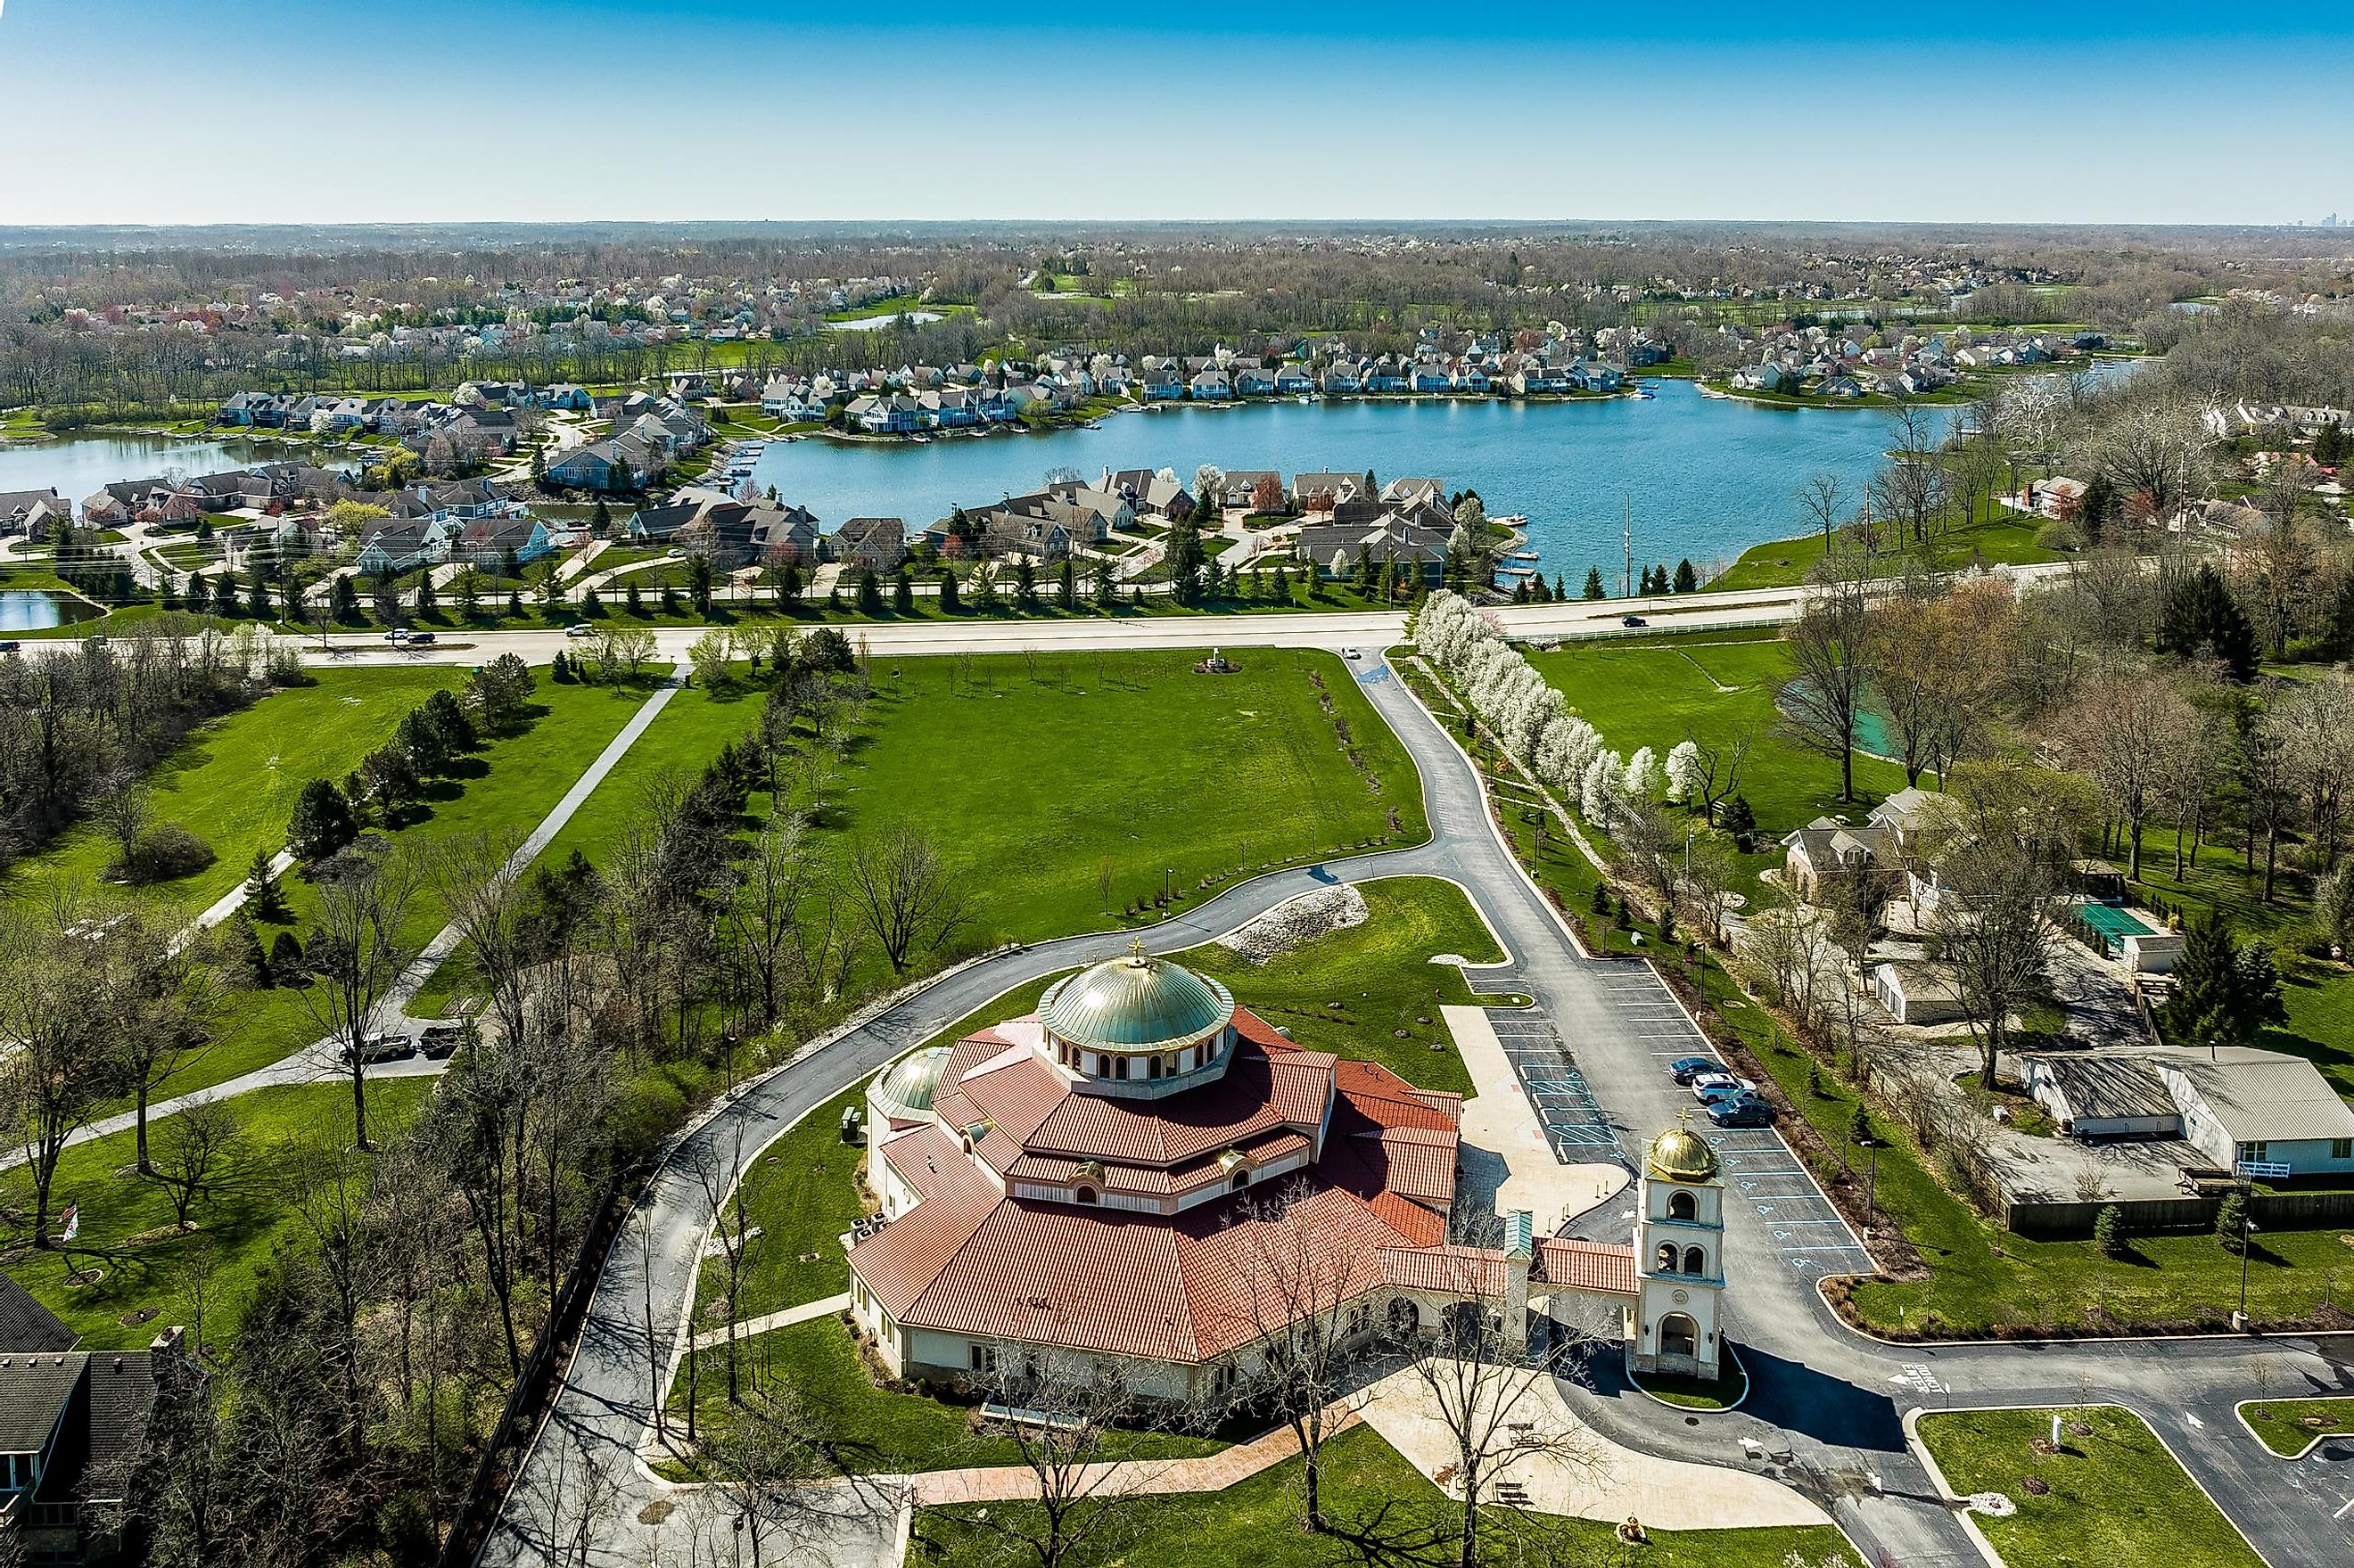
1500	1130
322	1060
1210	1473
808	1311
1579	1472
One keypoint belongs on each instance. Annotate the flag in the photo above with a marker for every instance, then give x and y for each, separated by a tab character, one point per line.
72	1218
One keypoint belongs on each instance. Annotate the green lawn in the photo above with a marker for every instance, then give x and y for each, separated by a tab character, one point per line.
2117	1496
505	790
800	1193
234	780
1368	1486
883	1431
1716	688
1997	536
126	1221
2289	1426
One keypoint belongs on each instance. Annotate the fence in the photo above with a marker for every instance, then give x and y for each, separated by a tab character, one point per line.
2271	1211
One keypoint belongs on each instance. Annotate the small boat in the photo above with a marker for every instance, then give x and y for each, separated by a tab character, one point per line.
1522	556
1707	391
1514	572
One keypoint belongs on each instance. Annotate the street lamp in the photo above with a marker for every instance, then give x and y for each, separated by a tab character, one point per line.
1871	1183
2247	1230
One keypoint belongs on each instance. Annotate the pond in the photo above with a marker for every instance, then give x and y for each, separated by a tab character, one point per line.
1704	478
38	609
876	323
79	466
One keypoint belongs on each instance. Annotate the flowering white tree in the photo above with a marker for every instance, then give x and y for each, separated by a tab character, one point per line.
1598	790
1642	779
1684	773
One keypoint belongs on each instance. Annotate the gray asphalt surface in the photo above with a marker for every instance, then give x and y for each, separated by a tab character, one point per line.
1827	1406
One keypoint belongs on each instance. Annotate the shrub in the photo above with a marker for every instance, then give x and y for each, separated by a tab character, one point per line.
2232	1222
2109	1231
162	853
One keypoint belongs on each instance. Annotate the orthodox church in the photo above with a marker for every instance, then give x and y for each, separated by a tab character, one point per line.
1123	1173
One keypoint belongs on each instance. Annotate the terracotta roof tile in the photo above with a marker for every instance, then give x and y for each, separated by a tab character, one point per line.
1575	1264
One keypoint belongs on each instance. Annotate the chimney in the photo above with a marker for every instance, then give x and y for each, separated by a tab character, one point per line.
168	1342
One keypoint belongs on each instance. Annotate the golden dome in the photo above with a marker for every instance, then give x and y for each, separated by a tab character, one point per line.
1679	1154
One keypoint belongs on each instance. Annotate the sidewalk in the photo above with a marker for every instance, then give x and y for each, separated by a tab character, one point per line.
1210	1473
808	1311
1498	1124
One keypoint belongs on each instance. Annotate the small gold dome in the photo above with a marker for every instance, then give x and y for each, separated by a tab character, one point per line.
1679	1154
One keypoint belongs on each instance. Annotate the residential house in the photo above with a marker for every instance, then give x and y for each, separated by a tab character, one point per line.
1828	848
32	512
608	465
488	542
1294	381
1391	537
871	543
403	546
1211	384
1342	381
1162	384
1254	381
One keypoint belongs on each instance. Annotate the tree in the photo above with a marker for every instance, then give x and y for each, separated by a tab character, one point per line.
161	1003
1823	500
948	602
1831	646
1686	579
356	954
2199	619
321	823
2120	732
500	693
57	1063
1999	867
764	916
2224	994
2110	1232
903	593
264	899
1594	589
906	893
196	1145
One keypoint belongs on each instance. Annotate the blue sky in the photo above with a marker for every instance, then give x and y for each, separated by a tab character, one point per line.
341	110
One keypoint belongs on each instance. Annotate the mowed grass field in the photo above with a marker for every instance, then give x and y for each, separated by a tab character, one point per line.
500	792
233	781
146	1266
1717	688
1032	774
2115	1495
801	1192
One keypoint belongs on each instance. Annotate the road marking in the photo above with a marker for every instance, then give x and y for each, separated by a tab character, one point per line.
1919	1375
2196	1425
2342	1512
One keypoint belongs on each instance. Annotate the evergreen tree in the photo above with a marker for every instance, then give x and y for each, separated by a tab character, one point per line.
2109	1231
2258	990
258	598
2200	620
870	593
2232	1222
344	599
949	601
1066	589
321	823
1026	584
286	959
1741	822
1560	595
225	596
247	959
2205	1011
515	605
559	669
1593	589
603	519
1281	593
635	601
903	593
1687	579
1106	587
426	602
264	899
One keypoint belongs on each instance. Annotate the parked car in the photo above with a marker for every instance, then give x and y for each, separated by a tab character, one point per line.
1687	1069
1720	1086
1741	1111
579	628
1352	653
382	1048
440	1041
1633	620
398	635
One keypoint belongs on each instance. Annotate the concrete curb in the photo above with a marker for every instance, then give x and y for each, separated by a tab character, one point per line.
1749	1387
2241	1412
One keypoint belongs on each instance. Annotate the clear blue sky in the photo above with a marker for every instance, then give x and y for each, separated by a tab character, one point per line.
354	110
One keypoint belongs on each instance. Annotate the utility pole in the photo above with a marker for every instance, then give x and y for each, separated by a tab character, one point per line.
1626	542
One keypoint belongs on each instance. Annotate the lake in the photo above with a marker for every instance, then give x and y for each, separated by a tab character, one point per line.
1707	477
876	323
79	466
37	610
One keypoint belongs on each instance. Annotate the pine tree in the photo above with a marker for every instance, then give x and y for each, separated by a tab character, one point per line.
949	604
870	593
264	899
321	823
286	959
515	605
1560	595
635	601
1687	579
1594	589
903	593
2204	1012
2232	1222
2109	1231
1066	589
2200	620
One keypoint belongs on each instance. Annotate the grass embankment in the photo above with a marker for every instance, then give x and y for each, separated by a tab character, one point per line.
1368	1487
2289	1426
2115	1494
1993	536
501	792
149	1268
800	1192
1720	689
233	781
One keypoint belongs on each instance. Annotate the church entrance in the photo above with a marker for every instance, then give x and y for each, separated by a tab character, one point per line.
1678	1343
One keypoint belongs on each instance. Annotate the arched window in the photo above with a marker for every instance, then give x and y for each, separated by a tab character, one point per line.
1154	1071
1405	1318
1242	1180
1083	1195
1696	1261
1667	1259
1682	1206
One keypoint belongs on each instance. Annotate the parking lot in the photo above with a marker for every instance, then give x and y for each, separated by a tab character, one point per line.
1764	1182
1574	1123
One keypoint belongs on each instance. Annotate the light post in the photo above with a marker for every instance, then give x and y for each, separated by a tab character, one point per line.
1871	1182
2247	1230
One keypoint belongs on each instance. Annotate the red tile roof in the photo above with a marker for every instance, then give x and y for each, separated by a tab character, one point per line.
1445	1270
1575	1264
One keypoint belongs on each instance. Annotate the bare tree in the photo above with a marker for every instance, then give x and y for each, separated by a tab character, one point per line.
1069	1408
328	1193
1910	490
57	1062
2119	731
2000	851
1830	645
906	893
162	1004
357	954
1823	498
1717	761
763	917
198	1143
783	1485
2316	721
716	1168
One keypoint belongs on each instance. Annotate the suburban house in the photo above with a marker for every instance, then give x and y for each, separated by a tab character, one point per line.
1391	537
66	1416
871	543
488	542
32	510
608	465
403	547
1211	384
1146	490
1828	847
2256	1112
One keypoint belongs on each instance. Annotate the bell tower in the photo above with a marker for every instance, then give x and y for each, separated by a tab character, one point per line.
1679	1256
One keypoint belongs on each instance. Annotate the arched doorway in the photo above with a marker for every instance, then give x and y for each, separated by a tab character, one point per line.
1460	1324
1679	1342
1404	1319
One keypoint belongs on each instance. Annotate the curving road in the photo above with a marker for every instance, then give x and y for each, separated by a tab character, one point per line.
1828	1405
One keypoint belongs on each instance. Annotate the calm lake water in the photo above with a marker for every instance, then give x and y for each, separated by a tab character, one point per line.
77	467
35	609
1707	477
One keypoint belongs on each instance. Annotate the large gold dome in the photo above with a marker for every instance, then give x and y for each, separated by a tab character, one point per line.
1679	1154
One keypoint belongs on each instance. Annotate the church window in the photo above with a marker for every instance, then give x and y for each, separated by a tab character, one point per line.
1682	1206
